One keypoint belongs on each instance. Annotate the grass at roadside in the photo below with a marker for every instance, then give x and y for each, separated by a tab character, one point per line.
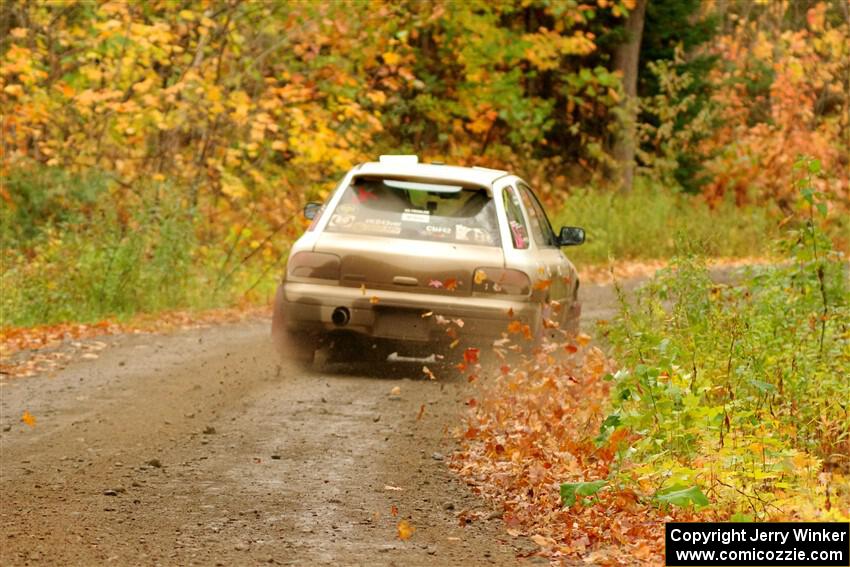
645	224
77	248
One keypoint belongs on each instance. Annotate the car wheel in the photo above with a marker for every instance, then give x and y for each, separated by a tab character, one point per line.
297	347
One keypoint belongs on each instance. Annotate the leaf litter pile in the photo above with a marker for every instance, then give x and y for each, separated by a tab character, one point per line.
528	444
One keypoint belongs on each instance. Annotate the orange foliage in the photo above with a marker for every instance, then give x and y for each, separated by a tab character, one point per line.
803	111
532	429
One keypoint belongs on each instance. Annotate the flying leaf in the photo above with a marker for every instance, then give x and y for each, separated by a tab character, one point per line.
542	285
450	284
405	530
374	300
480	277
437	284
470	355
28	418
362	289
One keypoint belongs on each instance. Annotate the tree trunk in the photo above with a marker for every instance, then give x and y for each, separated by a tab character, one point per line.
626	59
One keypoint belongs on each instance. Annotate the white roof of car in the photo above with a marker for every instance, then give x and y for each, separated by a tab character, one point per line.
481	176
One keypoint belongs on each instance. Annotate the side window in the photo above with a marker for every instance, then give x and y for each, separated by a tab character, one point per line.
516	223
541	230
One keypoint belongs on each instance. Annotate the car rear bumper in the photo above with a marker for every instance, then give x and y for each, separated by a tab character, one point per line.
396	315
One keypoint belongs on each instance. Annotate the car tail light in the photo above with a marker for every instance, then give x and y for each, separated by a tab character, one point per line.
500	280
314	265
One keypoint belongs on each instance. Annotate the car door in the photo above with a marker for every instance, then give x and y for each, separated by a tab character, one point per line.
551	262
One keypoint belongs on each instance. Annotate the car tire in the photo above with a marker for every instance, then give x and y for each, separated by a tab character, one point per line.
297	347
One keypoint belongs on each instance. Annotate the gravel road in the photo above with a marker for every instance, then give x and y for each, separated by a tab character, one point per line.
199	448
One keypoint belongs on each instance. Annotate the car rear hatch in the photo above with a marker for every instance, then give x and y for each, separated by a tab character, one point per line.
376	262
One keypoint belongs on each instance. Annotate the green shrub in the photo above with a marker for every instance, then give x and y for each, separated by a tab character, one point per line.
742	388
105	266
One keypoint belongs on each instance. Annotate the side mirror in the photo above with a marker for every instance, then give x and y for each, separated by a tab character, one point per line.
311	209
571	236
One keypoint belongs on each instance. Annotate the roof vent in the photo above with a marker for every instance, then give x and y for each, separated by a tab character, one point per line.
399	159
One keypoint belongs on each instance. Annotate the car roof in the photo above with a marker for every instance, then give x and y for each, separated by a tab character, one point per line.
468	175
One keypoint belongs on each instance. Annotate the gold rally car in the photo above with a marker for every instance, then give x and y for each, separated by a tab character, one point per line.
402	247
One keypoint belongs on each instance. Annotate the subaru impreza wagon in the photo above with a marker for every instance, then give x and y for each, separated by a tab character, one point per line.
402	248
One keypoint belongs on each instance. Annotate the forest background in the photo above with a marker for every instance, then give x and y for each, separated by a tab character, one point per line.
156	155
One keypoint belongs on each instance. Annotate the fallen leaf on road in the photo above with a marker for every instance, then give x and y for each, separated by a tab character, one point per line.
391	487
89	356
28	418
395	391
421	412
405	530
394	510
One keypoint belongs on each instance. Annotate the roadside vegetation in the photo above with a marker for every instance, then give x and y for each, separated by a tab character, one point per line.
741	389
647	222
722	401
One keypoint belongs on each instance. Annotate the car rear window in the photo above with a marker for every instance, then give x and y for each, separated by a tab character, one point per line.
416	209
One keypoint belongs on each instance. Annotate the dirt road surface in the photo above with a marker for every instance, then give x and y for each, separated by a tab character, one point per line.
199	448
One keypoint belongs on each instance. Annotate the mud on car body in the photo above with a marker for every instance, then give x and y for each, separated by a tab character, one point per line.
401	245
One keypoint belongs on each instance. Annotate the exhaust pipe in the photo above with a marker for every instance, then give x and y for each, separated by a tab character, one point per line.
340	316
